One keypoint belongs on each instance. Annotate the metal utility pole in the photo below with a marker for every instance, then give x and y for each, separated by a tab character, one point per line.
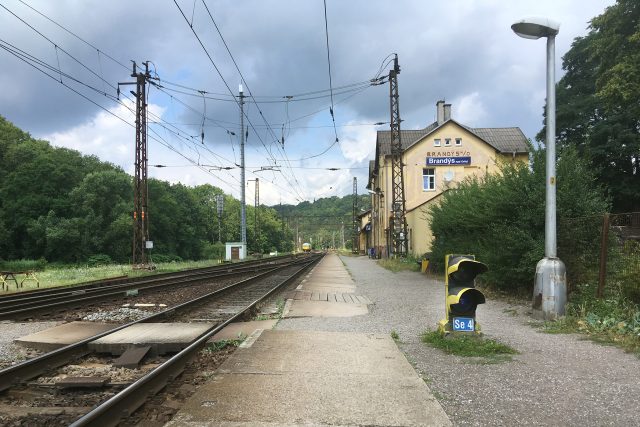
243	205
399	224
256	216
355	244
257	213
220	207
550	286
140	188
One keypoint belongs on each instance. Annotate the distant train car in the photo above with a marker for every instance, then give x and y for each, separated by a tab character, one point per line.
306	247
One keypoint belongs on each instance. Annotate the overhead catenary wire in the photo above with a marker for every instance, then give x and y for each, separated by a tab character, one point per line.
61	74
252	97
229	89
121	64
170	128
326	32
42	66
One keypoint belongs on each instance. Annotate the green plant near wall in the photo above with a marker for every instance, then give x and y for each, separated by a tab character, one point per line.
500	217
614	319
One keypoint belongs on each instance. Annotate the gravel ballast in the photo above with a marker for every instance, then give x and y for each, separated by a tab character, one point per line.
554	380
11	353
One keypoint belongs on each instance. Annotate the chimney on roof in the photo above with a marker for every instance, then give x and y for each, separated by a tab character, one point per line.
440	112
447	112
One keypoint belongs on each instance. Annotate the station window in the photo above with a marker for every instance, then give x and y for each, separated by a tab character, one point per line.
458	141
436	142
428	179
447	141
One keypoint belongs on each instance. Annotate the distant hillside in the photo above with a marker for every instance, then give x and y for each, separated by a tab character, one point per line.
322	222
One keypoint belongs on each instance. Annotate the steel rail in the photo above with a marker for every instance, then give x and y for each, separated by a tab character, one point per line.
94	284
33	367
62	303
135	395
74	298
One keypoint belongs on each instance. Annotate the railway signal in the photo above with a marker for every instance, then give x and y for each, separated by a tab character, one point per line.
461	296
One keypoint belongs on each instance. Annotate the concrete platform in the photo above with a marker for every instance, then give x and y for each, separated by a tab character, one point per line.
62	335
242	329
162	337
301	308
327	291
289	378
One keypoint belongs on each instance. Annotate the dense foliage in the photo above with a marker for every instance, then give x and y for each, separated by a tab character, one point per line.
324	222
500	218
597	101
60	206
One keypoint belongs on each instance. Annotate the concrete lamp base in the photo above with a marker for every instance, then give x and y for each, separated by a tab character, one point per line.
550	289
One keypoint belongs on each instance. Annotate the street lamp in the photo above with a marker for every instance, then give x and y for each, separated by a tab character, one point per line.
550	288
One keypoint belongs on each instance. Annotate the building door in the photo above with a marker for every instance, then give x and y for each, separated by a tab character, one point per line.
235	252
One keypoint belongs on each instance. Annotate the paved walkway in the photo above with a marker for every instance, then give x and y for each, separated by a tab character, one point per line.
556	380
313	377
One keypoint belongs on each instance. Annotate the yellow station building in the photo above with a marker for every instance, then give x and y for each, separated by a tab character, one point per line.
434	160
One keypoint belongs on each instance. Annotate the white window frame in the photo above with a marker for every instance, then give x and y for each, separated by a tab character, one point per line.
437	142
447	142
431	186
458	141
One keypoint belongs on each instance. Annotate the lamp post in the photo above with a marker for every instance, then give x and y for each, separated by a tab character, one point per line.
550	288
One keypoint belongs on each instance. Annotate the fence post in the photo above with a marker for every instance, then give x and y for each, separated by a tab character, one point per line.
604	246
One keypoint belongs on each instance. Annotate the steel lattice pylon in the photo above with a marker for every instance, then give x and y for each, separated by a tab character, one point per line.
140	187
355	244
398	223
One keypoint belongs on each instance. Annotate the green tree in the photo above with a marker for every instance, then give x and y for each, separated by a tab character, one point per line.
104	201
500	218
597	101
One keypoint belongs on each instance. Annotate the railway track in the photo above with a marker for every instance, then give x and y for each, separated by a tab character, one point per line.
48	302
218	308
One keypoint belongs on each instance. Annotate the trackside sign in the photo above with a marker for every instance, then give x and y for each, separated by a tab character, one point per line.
448	161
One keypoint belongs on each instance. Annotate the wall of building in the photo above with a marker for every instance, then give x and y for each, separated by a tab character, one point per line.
482	159
419	230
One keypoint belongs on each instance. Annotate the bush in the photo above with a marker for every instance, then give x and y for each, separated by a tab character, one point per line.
500	218
214	251
24	265
98	260
165	258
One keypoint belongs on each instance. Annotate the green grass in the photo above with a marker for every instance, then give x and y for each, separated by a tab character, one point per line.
399	264
395	335
470	346
220	345
277	315
613	320
53	276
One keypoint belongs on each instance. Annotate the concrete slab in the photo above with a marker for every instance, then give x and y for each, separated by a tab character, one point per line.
302	308
238	329
62	335
162	337
314	378
329	287
132	357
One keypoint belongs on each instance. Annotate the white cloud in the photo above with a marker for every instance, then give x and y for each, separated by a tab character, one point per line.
491	77
358	142
105	136
469	110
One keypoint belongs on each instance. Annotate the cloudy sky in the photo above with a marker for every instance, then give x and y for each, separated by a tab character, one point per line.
462	51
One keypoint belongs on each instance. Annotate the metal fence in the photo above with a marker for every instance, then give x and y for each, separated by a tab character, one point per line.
602	251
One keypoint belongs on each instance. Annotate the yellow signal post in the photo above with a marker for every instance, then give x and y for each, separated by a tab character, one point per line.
461	296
